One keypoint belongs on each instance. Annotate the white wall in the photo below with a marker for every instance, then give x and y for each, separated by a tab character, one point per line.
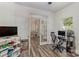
12	14
70	11
6	14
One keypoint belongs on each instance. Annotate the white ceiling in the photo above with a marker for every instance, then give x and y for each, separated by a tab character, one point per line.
55	6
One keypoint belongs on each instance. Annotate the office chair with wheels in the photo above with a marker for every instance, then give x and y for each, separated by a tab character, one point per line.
57	42
54	39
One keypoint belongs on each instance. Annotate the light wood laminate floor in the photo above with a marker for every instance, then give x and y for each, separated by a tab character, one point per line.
37	50
44	51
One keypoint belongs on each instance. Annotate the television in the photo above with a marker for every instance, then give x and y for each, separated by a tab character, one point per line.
61	33
8	31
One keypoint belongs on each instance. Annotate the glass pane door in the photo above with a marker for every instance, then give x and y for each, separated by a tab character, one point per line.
43	30
34	37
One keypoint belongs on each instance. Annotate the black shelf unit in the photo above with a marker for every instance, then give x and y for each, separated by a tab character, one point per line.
70	44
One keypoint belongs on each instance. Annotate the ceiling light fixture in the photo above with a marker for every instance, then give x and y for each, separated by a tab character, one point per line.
49	3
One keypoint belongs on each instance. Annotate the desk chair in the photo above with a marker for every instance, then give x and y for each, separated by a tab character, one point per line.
57	42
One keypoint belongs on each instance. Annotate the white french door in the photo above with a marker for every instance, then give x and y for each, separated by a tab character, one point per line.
37	32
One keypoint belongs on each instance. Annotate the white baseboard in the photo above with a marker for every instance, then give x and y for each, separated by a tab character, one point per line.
43	43
77	51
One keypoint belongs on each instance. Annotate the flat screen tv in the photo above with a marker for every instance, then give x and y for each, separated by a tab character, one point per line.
61	33
8	31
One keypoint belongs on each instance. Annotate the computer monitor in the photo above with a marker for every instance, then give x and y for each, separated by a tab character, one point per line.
61	33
